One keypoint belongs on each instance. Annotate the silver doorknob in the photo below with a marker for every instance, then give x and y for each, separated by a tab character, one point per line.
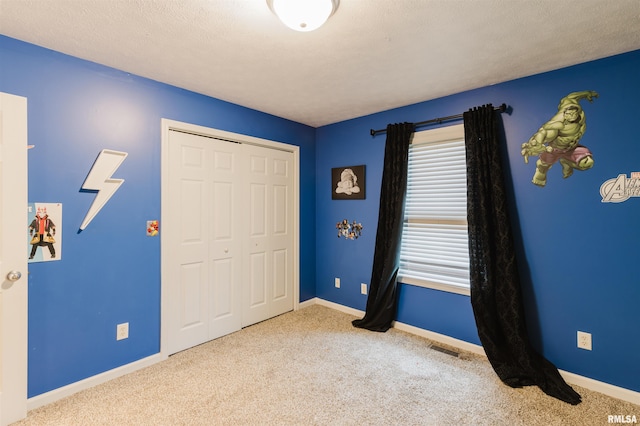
14	275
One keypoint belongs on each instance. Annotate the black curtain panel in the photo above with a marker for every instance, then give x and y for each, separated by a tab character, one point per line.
382	301
496	295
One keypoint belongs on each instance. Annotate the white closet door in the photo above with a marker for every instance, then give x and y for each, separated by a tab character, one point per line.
268	245
229	237
225	241
203	227
189	228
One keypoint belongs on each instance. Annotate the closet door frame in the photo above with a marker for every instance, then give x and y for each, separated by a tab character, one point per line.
167	252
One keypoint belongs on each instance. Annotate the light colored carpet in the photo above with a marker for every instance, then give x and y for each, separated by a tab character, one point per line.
312	367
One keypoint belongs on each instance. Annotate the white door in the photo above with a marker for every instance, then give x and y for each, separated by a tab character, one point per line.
228	244
203	226
13	258
268	251
225	237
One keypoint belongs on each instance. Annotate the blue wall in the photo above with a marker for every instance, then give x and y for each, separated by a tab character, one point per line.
577	255
110	272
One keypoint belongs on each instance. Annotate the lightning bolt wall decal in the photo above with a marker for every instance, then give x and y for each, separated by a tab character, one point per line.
99	179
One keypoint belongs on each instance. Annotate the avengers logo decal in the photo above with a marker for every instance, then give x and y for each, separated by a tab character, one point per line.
621	188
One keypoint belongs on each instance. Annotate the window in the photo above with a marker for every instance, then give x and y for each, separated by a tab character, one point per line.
434	251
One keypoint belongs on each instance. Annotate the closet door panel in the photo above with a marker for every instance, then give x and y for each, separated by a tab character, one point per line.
187	233
225	238
256	282
269	214
281	231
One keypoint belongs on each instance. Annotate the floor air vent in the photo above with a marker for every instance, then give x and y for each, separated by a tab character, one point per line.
444	351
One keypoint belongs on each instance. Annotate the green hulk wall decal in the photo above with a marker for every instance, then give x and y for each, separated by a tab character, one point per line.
558	140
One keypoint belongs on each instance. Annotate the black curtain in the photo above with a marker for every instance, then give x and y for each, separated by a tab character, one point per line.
382	301
496	295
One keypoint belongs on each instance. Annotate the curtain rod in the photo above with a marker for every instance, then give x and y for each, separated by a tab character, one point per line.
501	108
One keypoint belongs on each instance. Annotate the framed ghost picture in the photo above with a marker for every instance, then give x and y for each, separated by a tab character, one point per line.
348	183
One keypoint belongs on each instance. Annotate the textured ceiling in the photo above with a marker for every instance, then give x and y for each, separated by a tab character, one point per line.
372	55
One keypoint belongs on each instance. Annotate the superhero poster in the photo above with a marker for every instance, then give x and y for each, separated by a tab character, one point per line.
44	232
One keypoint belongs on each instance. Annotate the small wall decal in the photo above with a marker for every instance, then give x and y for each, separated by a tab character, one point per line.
99	180
558	140
152	228
348	183
350	231
45	231
620	189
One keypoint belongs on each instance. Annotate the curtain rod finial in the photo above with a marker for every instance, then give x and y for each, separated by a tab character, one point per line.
506	108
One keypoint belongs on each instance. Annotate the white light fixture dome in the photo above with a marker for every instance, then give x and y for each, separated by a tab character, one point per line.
303	15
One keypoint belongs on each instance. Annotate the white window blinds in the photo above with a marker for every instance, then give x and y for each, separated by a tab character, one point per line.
434	249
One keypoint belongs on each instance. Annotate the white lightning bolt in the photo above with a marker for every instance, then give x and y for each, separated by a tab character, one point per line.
99	179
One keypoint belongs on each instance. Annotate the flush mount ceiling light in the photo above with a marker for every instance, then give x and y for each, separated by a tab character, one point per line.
303	15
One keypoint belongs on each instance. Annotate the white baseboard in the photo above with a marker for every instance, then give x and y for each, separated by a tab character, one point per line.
571	378
601	387
307	303
337	307
89	382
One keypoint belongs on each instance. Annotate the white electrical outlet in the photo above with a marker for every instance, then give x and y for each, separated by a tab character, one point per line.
363	288
337	282
122	331
584	340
